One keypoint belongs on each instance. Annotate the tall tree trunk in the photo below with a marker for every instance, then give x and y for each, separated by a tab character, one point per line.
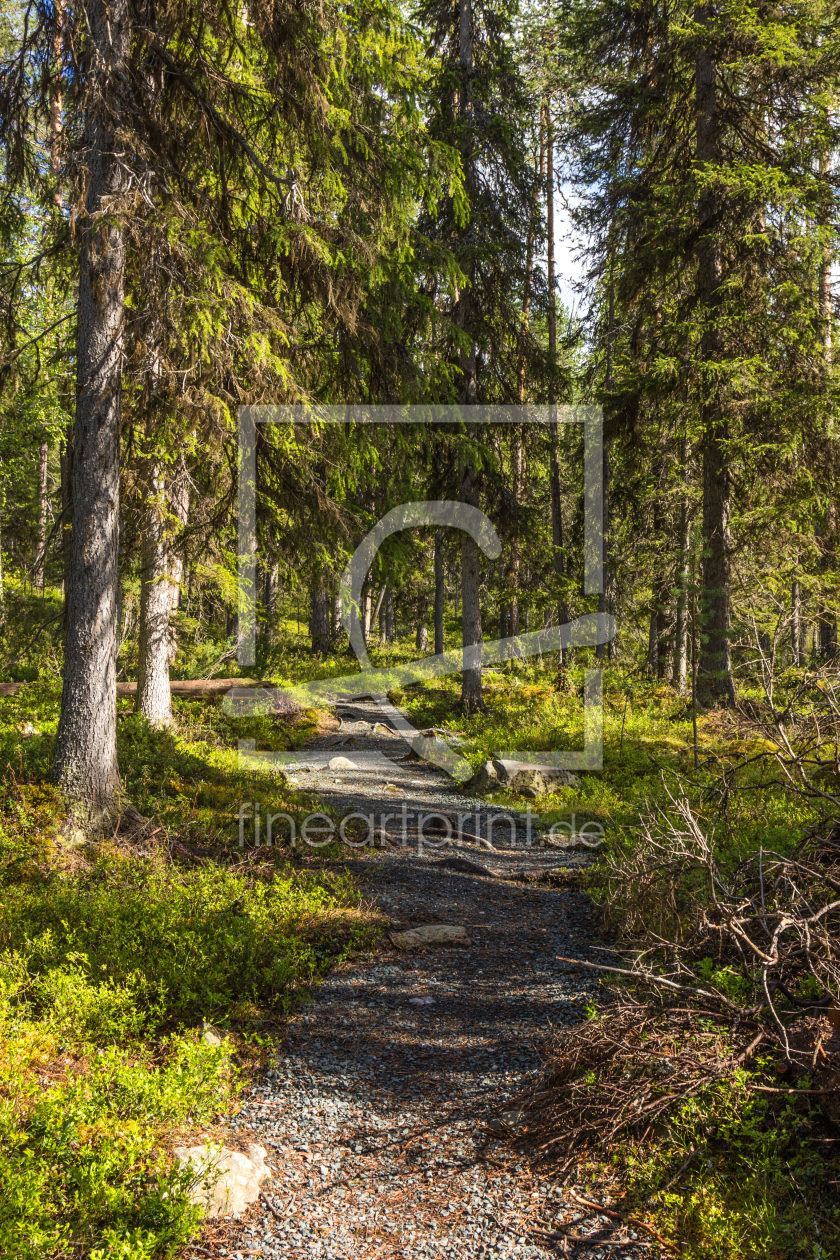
320	621
471	693
472	698
153	695
518	486
681	628
715	665
606	596
43	507
440	591
337	611
529	267
367	609
797	640
662	593
85	761
828	561
66	472
555	490
653	645
390	623
421	639
179	511
824	295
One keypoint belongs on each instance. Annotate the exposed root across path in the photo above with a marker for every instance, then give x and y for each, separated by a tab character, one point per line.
384	1116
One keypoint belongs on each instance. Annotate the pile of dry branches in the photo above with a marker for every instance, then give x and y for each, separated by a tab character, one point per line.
730	958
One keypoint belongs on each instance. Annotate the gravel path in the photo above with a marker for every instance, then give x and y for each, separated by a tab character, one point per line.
382	1115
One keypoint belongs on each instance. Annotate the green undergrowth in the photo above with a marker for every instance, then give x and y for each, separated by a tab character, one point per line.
755	1182
111	963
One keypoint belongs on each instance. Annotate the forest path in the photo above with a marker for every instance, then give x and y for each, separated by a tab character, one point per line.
381	1112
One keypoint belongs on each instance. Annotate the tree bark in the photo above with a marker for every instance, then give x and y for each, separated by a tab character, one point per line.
85	761
440	591
828	560
421	639
715	666
153	696
179	508
320	621
367	609
390	625
606	597
797	641
472	697
66	471
43	507
681	628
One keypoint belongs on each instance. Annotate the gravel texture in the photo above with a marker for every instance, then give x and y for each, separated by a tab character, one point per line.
384	1115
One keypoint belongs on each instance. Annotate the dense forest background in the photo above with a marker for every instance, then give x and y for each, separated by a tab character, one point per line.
357	205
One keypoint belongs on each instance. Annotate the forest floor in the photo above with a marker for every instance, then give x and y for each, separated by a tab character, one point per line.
381	1113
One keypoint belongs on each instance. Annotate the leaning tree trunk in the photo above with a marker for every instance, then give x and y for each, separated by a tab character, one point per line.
153	695
716	679
85	760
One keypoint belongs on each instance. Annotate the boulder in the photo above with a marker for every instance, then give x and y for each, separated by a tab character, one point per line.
430	934
521	779
342	763
226	1181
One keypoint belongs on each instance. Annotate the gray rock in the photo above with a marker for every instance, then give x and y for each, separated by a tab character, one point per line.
529	781
226	1181
430	934
342	763
212	1036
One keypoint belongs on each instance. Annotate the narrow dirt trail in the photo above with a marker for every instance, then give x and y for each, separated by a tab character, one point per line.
382	1114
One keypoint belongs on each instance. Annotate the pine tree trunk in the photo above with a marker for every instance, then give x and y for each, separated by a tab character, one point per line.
472	698
555	491
681	628
606	597
518	469
43	506
797	643
66	470
421	638
337	612
715	666
367	609
662	598
440	591
320	622
153	695
85	761
390	625
179	510
653	645
827	618
529	266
